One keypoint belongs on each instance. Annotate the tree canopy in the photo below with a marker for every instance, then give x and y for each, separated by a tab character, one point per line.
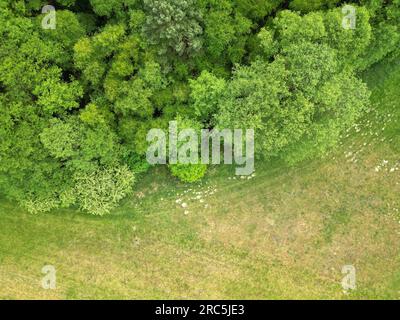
77	100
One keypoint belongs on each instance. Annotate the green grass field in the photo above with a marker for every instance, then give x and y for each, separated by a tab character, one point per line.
283	234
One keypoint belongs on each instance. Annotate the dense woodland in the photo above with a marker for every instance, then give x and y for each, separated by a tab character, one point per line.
77	101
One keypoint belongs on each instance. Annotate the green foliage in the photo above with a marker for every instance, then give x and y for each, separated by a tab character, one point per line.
257	9
312	5
173	26
295	99
55	96
62	39
60	139
292	27
110	7
350	44
79	100
183	171
98	192
267	43
188	172
42	205
252	100
385	38
341	102
225	31
205	93
81	147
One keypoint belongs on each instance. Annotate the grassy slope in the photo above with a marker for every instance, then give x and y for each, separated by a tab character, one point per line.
284	234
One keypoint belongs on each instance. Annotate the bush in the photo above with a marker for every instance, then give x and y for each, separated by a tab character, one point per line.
98	192
188	172
36	206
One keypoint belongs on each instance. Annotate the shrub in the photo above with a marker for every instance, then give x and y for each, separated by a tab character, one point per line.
98	192
188	172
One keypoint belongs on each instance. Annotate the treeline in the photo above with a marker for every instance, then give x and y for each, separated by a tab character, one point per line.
77	101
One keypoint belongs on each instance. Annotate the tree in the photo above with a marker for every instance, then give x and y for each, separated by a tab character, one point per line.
225	31
350	44
296	96
173	26
312	5
205	93
256	9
